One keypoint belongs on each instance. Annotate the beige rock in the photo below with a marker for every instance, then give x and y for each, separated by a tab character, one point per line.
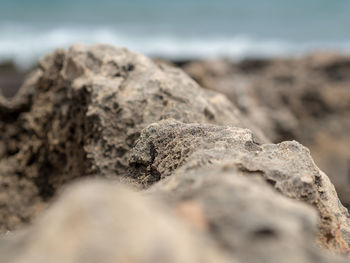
82	110
169	146
244	214
306	99
107	112
105	222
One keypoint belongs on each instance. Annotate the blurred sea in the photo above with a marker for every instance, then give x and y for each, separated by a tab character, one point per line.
182	29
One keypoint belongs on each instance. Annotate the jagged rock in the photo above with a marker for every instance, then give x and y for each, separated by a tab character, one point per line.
170	146
107	112
244	215
82	110
19	199
305	98
91	103
103	222
11	129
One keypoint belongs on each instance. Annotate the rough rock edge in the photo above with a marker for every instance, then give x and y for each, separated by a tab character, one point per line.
169	146
90	104
244	214
81	111
85	76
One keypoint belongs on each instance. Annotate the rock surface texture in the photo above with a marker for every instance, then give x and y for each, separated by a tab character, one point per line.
81	111
306	99
169	146
184	176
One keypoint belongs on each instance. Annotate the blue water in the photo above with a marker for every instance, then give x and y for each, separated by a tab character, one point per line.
175	29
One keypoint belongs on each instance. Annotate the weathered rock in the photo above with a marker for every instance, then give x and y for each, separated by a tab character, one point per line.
104	222
92	102
107	112
170	146
244	214
306	99
11	127
81	111
19	199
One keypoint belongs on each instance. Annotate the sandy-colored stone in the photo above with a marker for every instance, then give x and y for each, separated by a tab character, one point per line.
81	111
170	146
105	222
246	217
225	193
306	99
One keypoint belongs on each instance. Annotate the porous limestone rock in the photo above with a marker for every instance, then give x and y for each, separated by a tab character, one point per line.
107	112
170	146
81	111
303	98
90	104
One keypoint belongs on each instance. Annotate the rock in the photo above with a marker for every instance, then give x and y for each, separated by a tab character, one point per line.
169	146
11	78
92	102
306	99
11	126
103	222
81	111
225	193
19	200
96	221
244	215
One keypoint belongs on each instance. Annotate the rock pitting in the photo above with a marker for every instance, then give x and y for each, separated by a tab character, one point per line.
169	146
223	189
303	98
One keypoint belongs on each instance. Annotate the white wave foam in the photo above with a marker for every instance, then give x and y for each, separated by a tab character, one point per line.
24	45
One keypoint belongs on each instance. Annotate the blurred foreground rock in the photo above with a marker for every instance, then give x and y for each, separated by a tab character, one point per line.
244	215
103	222
212	215
207	184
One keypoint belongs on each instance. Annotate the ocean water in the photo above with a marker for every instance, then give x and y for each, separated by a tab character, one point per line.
182	29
